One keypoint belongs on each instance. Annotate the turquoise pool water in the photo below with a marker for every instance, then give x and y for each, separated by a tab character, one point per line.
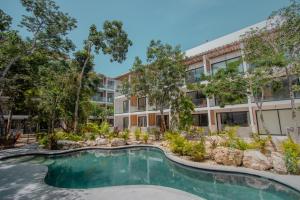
149	166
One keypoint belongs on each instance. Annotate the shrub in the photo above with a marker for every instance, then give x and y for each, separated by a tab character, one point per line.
43	139
125	135
178	144
232	140
259	142
104	128
145	137
198	150
156	133
90	128
292	154
137	134
68	136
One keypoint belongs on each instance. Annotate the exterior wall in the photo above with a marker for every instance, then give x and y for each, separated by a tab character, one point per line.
204	56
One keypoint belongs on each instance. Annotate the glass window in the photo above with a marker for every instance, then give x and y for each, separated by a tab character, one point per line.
142	121
125	106
142	104
125	122
194	75
223	64
198	98
234	119
200	119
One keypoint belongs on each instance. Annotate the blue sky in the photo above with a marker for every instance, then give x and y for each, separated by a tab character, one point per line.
187	23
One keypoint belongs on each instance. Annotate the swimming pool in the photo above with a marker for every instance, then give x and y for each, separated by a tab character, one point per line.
149	166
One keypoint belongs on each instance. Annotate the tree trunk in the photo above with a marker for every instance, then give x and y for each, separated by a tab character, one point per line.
162	121
291	93
8	125
75	124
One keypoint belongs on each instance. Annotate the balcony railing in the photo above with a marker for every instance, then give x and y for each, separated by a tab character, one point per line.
200	103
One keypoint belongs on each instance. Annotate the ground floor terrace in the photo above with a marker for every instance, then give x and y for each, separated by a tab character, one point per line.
277	116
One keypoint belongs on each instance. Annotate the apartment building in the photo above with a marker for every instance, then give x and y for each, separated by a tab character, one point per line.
207	59
104	97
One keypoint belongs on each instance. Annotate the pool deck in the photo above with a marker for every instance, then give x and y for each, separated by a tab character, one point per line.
25	180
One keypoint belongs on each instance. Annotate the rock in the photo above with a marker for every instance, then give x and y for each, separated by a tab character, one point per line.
278	163
228	156
90	143
67	144
101	141
254	159
215	140
117	142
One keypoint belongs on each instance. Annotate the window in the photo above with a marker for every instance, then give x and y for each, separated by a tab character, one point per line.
282	93
110	97
224	64
197	98
234	119
125	122
125	106
194	75
110	84
142	104
142	121
200	119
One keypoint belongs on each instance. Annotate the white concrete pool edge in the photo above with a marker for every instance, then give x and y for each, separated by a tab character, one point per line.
292	181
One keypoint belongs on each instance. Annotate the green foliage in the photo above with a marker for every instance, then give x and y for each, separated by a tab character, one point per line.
185	109
5	21
260	142
104	128
292	155
137	134
195	132
232	140
198	150
179	144
125	135
68	136
160	79
90	128
182	146
156	133
145	137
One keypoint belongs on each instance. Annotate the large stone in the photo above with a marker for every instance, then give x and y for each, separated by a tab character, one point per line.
228	156
215	140
67	144
117	142
278	163
101	141
90	143
254	159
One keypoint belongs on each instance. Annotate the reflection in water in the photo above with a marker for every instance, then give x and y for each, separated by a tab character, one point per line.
148	166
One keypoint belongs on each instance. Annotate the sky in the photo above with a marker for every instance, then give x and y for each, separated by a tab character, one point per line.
187	23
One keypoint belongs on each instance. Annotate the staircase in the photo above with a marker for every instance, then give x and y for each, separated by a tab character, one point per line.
25	139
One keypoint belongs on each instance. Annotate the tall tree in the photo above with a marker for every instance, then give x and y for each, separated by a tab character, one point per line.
276	48
48	27
159	80
113	40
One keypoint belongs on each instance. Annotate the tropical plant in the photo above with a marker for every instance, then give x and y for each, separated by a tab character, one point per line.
292	155
137	134
125	135
145	137
160	79
112	40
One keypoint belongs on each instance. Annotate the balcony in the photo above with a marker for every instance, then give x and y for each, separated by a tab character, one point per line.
200	103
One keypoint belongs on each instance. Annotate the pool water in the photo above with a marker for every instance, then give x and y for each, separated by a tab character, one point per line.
149	166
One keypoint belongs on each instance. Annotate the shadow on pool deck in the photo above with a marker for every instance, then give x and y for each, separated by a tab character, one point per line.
26	181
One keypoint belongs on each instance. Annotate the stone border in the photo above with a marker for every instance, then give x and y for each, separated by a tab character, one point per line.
291	181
